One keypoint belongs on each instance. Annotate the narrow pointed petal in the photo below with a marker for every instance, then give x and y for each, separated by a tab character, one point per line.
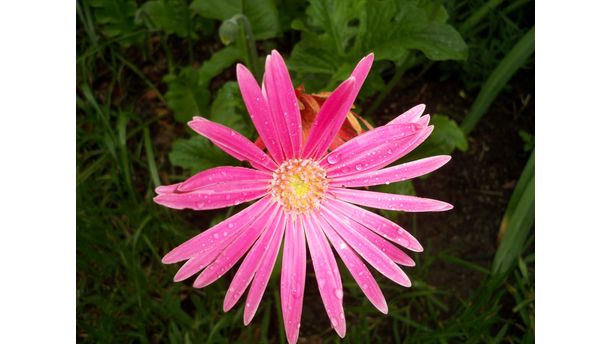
423	121
327	274
360	73
259	110
393	174
387	201
208	238
293	277
233	143
329	120
376	223
392	251
379	156
223	174
410	116
283	105
162	189
378	259
366	145
249	266
262	275
234	251
215	196
356	267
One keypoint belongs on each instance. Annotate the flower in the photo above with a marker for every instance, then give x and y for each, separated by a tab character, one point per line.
306	200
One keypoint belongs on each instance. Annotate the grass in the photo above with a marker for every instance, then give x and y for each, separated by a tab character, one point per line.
125	294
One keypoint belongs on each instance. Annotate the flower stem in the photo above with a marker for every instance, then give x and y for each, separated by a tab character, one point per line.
251	49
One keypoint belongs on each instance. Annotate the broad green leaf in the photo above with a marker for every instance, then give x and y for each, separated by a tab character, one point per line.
185	96
445	138
188	92
339	33
197	153
218	62
229	110
117	19
262	14
170	16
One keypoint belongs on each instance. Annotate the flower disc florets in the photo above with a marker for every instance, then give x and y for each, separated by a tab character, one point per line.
299	185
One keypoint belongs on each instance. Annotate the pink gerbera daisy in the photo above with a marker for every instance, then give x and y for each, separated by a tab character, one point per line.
304	199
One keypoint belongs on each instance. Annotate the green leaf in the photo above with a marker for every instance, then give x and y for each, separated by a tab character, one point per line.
339	33
498	79
229	110
445	138
517	221
185	96
170	16
117	19
262	14
218	62
197	153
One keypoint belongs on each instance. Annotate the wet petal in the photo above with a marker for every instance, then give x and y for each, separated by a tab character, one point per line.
251	263
233	143
283	105
293	277
410	116
259	110
393	174
378	224
262	275
329	120
210	237
215	196
356	267
327	274
224	174
234	251
387	201
378	259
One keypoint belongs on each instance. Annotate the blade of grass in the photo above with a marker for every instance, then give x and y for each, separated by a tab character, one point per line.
151	157
499	78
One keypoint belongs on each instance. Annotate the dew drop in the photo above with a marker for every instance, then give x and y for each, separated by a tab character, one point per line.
359	167
342	245
338	293
334	322
231	225
333	158
216	236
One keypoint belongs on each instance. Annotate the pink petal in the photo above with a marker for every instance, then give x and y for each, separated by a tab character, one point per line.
166	188
410	116
262	275
378	224
283	105
259	110
210	237
215	196
234	251
378	259
251	263
367	144
224	174
233	143
329	120
387	201
397	255
423	121
379	155
356	267
360	73
327	274
293	277
393	174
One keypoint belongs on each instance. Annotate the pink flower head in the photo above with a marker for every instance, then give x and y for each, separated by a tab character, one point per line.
306	200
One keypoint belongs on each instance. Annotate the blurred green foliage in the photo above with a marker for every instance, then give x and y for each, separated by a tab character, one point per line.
138	62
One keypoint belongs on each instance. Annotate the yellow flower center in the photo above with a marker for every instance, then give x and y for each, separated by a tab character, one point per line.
299	185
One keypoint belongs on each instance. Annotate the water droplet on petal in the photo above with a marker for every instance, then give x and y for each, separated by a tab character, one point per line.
338	293
333	158
359	167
